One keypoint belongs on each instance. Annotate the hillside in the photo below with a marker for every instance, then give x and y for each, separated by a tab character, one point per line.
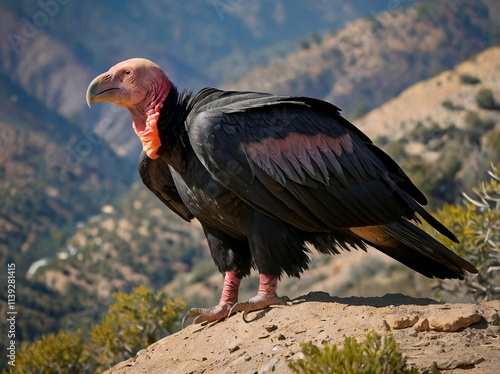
52	176
373	59
55	57
48	70
269	340
139	241
444	99
444	118
192	39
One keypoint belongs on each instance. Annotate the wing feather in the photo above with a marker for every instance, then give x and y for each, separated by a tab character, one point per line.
156	175
303	153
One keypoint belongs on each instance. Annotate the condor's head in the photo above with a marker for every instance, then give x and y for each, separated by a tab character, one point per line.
140	86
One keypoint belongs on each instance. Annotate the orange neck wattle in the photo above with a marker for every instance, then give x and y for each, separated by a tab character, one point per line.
148	132
150	137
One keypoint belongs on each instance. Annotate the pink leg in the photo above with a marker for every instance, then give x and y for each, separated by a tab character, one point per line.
228	299
266	296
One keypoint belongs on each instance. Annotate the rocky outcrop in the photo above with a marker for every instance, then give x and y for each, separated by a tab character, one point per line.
448	336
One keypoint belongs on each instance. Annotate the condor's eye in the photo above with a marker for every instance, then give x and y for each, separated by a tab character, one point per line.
127	72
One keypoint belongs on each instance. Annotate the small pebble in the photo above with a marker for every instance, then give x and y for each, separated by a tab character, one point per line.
270	327
234	349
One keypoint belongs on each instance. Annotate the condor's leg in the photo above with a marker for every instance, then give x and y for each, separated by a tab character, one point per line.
233	259
266	296
276	247
220	311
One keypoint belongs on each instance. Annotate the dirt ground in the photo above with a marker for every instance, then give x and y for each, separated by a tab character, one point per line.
458	338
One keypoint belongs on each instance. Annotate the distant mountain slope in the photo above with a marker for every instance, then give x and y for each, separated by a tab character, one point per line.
53	175
373	59
136	241
196	33
445	99
444	131
49	71
53	49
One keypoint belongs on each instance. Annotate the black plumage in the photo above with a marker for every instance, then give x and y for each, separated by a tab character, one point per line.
267	176
298	190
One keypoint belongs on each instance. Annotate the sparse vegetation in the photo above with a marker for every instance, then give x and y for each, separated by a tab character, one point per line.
472	119
203	269
448	104
360	110
64	352
305	44
361	61
443	181
469	79
485	99
476	127
316	37
422	12
133	321
376	354
476	222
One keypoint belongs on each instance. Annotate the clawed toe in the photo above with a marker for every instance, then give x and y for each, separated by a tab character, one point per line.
229	304
200	315
258	302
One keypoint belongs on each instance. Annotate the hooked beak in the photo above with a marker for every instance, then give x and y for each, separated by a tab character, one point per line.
99	88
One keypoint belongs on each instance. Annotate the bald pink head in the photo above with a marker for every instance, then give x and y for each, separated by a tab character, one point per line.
140	86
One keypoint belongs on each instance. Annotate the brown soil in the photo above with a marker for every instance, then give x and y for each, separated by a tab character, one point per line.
458	338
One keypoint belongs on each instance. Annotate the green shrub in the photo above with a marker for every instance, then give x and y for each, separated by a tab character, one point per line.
448	104
133	322
472	120
485	99
395	149
422	12
63	353
360	110
376	354
305	44
476	223
469	79
491	140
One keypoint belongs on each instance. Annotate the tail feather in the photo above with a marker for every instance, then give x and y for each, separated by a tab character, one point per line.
416	249
429	218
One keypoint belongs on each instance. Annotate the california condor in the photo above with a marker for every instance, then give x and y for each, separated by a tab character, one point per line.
266	175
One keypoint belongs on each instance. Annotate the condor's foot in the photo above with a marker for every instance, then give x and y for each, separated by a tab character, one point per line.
266	297
215	313
259	302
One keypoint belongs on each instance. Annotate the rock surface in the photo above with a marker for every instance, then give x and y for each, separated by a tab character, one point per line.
458	338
